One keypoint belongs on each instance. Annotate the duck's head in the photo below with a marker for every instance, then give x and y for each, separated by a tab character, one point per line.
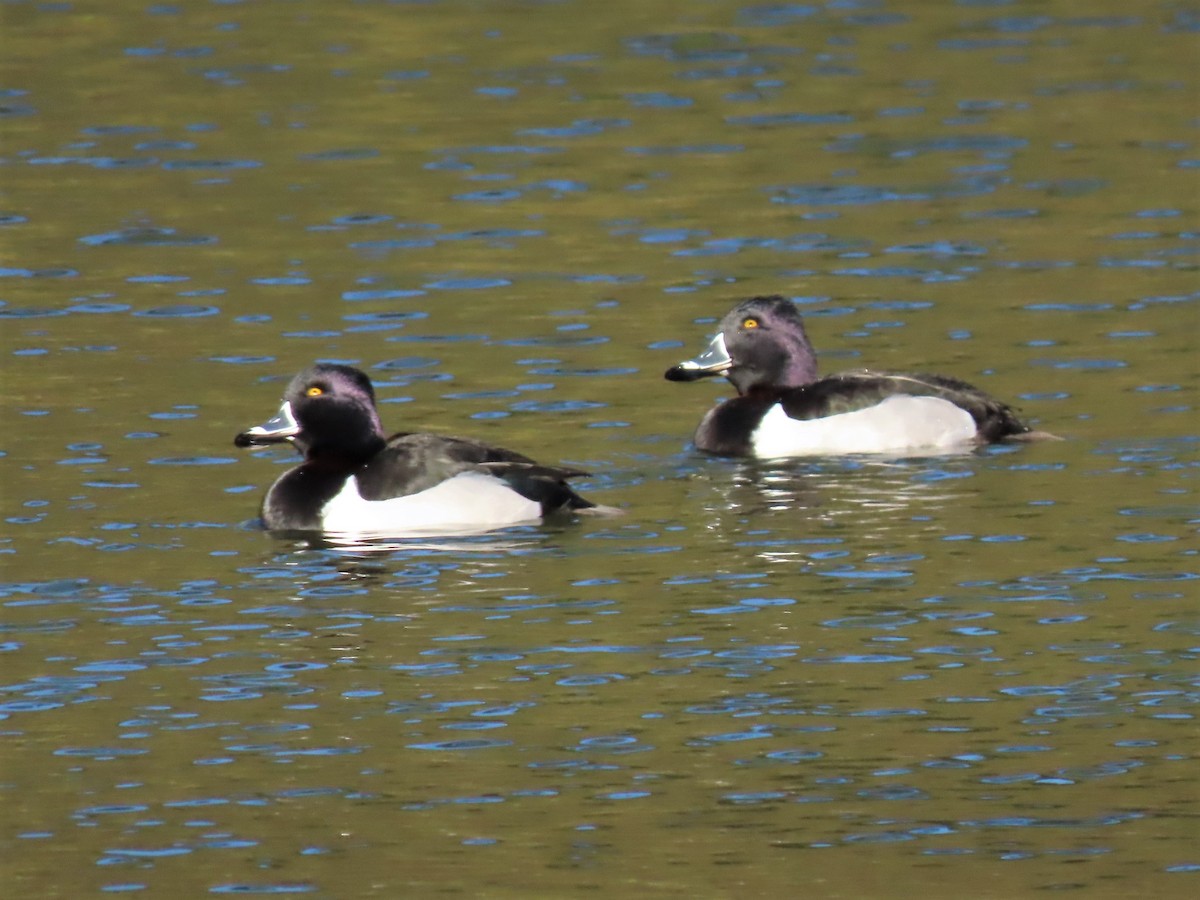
761	345
328	411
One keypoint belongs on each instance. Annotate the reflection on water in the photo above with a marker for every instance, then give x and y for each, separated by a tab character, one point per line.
348	551
765	679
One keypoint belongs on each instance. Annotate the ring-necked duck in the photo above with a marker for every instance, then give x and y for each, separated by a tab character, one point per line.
784	409
355	481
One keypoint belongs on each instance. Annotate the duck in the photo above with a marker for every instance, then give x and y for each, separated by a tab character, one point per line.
783	408
355	481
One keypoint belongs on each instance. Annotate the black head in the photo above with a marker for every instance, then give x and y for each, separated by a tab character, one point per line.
761	345
328	411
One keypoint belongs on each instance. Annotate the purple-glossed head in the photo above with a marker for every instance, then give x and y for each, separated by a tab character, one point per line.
328	410
761	345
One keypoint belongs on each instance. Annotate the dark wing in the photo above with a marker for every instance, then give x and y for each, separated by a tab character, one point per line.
850	391
411	463
458	448
546	485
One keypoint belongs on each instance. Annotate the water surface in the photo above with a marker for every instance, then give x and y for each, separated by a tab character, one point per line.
822	677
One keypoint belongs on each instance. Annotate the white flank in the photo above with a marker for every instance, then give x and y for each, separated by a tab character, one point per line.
899	423
468	501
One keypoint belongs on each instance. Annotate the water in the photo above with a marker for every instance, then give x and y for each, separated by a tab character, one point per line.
822	678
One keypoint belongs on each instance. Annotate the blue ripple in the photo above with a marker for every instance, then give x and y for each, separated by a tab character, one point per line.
475	744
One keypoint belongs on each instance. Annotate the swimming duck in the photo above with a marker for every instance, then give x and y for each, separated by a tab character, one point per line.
784	409
356	481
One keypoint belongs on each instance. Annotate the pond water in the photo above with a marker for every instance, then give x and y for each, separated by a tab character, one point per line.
824	678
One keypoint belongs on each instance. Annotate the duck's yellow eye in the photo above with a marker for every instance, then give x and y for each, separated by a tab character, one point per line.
314	391
750	323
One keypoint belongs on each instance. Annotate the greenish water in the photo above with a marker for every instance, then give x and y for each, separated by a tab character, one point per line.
830	678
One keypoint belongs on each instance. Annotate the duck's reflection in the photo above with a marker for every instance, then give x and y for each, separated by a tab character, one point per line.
863	488
314	565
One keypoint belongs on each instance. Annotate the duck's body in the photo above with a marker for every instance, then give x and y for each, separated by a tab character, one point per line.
355	481
784	409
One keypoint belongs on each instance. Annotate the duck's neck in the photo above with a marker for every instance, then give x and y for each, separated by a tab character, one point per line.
344	452
801	365
800	370
791	366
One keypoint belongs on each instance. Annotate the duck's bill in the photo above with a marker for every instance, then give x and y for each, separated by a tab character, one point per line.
282	427
714	360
